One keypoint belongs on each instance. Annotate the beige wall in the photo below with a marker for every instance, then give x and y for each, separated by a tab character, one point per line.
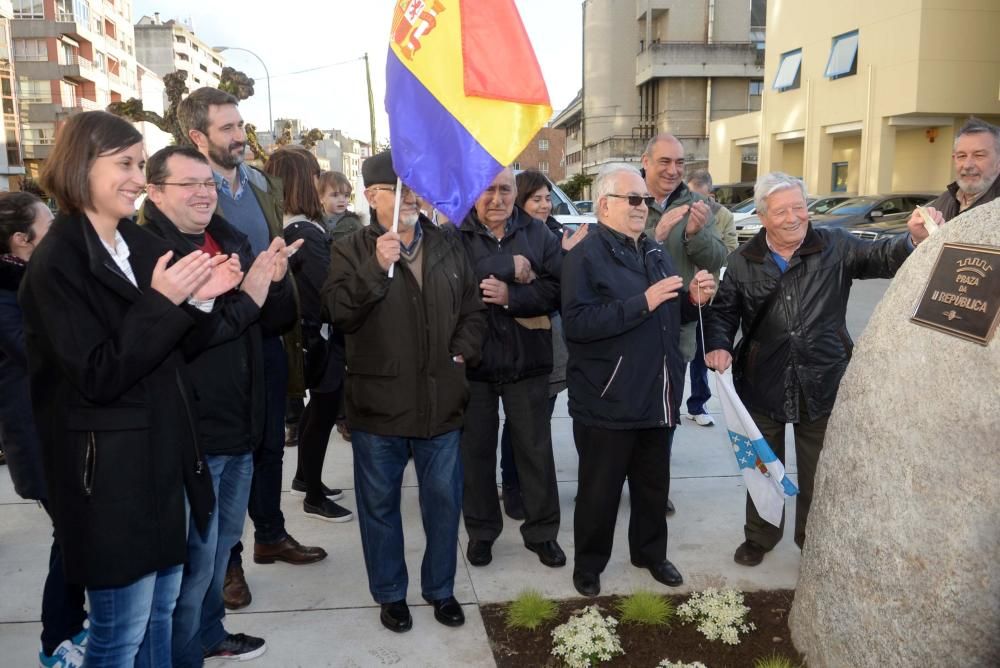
791	158
921	63
611	100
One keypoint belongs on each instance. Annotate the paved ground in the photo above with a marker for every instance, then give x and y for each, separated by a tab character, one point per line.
322	614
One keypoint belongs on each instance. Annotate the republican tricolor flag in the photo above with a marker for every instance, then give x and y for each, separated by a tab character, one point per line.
763	472
464	94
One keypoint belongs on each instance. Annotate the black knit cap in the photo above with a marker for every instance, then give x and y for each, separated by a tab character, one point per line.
378	169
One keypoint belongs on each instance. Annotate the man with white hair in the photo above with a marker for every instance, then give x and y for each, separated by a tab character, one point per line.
408	339
976	157
622	307
787	289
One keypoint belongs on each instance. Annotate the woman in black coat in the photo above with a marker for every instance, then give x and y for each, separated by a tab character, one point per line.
103	322
324	348
24	221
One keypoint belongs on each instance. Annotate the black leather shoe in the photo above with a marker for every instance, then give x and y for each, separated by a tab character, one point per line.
549	553
749	554
670	508
480	552
448	611
588	584
663	572
396	616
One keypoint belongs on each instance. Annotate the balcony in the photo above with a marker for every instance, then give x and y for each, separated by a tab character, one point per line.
698	59
37	149
78	68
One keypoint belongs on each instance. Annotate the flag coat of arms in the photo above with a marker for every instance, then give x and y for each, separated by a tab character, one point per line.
763	472
464	95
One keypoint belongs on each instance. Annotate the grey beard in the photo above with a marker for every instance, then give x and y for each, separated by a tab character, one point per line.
408	221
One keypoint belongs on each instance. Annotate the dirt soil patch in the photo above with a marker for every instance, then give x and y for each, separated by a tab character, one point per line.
645	646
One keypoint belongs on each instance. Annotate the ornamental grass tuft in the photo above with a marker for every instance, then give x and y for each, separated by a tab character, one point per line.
774	661
530	610
646	607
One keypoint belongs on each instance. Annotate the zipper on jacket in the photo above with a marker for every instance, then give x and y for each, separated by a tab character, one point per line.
666	393
89	464
613	374
199	465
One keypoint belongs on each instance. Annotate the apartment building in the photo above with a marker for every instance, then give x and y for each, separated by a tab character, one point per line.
653	66
866	97
170	46
11	165
69	56
546	153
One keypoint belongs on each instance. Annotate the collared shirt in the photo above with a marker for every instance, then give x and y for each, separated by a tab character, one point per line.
506	227
778	258
222	183
119	253
625	240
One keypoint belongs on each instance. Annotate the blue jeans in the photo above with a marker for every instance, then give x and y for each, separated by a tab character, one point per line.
379	462
700	392
199	613
130	625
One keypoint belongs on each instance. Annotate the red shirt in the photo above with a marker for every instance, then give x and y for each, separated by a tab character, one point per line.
210	246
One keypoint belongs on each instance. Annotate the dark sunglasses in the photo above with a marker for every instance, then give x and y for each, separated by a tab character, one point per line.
636	200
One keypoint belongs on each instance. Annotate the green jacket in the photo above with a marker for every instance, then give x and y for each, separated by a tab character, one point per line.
704	250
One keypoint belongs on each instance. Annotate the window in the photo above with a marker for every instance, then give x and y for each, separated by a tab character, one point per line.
839	178
110	30
39	133
180	39
843	60
543	144
203	68
182	56
34	90
543	166
30	50
29	9
756	88
515	165
787	77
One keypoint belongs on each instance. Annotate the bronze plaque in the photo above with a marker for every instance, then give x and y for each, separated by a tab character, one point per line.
962	297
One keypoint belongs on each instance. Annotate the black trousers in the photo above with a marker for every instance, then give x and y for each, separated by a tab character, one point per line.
809	437
609	457
318	420
525	405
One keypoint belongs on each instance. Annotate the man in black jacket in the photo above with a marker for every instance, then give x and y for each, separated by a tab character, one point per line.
788	287
976	160
228	385
409	338
517	262
622	309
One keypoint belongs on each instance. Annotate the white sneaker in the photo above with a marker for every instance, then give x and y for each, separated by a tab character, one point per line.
67	655
702	419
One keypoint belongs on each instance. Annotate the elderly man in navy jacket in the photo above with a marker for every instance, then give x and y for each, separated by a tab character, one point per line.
622	308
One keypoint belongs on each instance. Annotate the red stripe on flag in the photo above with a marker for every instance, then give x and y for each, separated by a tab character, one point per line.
499	61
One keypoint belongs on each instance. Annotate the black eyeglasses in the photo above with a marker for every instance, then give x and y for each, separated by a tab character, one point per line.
190	186
407	191
636	200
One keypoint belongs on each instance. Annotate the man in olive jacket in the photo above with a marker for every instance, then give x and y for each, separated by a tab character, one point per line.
409	337
788	288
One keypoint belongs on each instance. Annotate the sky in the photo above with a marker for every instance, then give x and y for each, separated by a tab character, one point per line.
330	38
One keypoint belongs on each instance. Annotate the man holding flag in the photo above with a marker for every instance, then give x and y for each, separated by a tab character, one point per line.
408	339
787	288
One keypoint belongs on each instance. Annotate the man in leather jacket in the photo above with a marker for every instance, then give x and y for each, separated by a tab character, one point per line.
787	288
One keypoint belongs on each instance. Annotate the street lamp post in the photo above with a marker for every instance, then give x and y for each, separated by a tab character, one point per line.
267	75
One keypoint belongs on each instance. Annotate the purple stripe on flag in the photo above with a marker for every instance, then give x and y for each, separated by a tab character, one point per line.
431	151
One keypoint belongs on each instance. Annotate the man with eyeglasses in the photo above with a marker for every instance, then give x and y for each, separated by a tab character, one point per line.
517	262
250	201
408	340
225	360
622	308
683	222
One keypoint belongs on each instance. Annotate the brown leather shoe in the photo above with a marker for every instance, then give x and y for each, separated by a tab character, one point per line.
288	550
235	591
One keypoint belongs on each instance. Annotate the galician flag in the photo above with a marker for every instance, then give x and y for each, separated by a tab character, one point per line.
763	473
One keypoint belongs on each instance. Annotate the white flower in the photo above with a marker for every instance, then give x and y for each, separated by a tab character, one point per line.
720	615
587	638
667	663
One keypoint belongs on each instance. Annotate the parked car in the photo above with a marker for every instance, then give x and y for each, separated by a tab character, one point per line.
584	206
744	209
731	194
873	216
822	205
